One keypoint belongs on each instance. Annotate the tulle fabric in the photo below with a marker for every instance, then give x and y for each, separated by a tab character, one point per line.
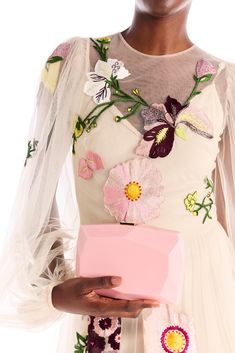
45	210
224	173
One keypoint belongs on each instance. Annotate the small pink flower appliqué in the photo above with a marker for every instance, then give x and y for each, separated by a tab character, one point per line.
133	191
204	67
175	339
60	52
88	165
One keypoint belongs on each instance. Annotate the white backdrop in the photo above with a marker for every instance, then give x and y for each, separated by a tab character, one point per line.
29	31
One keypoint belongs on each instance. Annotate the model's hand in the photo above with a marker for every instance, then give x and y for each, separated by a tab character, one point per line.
77	296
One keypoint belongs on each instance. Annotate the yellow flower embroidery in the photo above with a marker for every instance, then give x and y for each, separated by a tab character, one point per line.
194	206
104	39
190	201
49	75
136	91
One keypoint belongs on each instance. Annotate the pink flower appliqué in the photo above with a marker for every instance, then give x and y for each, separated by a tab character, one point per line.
88	165
61	51
133	191
204	67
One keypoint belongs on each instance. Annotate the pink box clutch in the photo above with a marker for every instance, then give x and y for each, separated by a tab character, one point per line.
150	260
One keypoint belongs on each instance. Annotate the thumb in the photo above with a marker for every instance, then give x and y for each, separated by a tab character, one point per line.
90	283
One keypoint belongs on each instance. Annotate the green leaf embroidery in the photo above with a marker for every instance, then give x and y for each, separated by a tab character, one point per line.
54	59
81	344
134	98
32	144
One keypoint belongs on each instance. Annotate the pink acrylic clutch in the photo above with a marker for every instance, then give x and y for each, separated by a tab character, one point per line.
150	260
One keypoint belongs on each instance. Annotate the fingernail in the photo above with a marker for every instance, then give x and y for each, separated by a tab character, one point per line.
116	280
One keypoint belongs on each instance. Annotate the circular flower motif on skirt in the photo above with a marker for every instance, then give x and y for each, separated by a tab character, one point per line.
175	339
105	326
133	191
115	339
95	343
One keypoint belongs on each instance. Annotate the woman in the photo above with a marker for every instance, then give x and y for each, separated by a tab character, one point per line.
173	129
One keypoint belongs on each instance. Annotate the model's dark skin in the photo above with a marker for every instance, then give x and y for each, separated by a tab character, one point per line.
158	27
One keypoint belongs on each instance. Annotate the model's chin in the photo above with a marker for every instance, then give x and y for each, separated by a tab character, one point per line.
162	8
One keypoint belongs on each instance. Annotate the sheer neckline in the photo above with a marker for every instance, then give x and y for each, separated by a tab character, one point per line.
115	109
172	55
131	127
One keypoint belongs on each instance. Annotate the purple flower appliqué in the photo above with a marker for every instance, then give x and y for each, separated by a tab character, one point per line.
105	326
95	343
104	334
164	119
115	339
162	123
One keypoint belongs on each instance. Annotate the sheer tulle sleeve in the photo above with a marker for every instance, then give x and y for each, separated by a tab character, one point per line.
37	253
224	174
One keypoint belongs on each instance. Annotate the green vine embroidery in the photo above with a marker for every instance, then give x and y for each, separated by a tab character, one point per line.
32	144
81	345
193	206
100	47
197	80
111	86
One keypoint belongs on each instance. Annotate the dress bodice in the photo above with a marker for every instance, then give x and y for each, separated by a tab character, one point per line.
174	190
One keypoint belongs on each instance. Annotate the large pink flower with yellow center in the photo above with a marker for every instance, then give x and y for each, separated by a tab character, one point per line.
133	191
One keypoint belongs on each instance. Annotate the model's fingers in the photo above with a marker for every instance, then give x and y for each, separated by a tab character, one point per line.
87	284
104	304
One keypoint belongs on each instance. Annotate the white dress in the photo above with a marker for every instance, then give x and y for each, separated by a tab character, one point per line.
205	310
179	146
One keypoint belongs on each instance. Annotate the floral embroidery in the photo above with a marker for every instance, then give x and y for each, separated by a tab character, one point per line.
162	122
50	72
97	85
191	202
175	339
78	130
32	144
106	77
104	334
81	345
95	343
115	339
100	47
88	165
60	52
105	326
204	72
133	191
204	69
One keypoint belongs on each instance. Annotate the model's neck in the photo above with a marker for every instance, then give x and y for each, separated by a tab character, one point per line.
158	35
